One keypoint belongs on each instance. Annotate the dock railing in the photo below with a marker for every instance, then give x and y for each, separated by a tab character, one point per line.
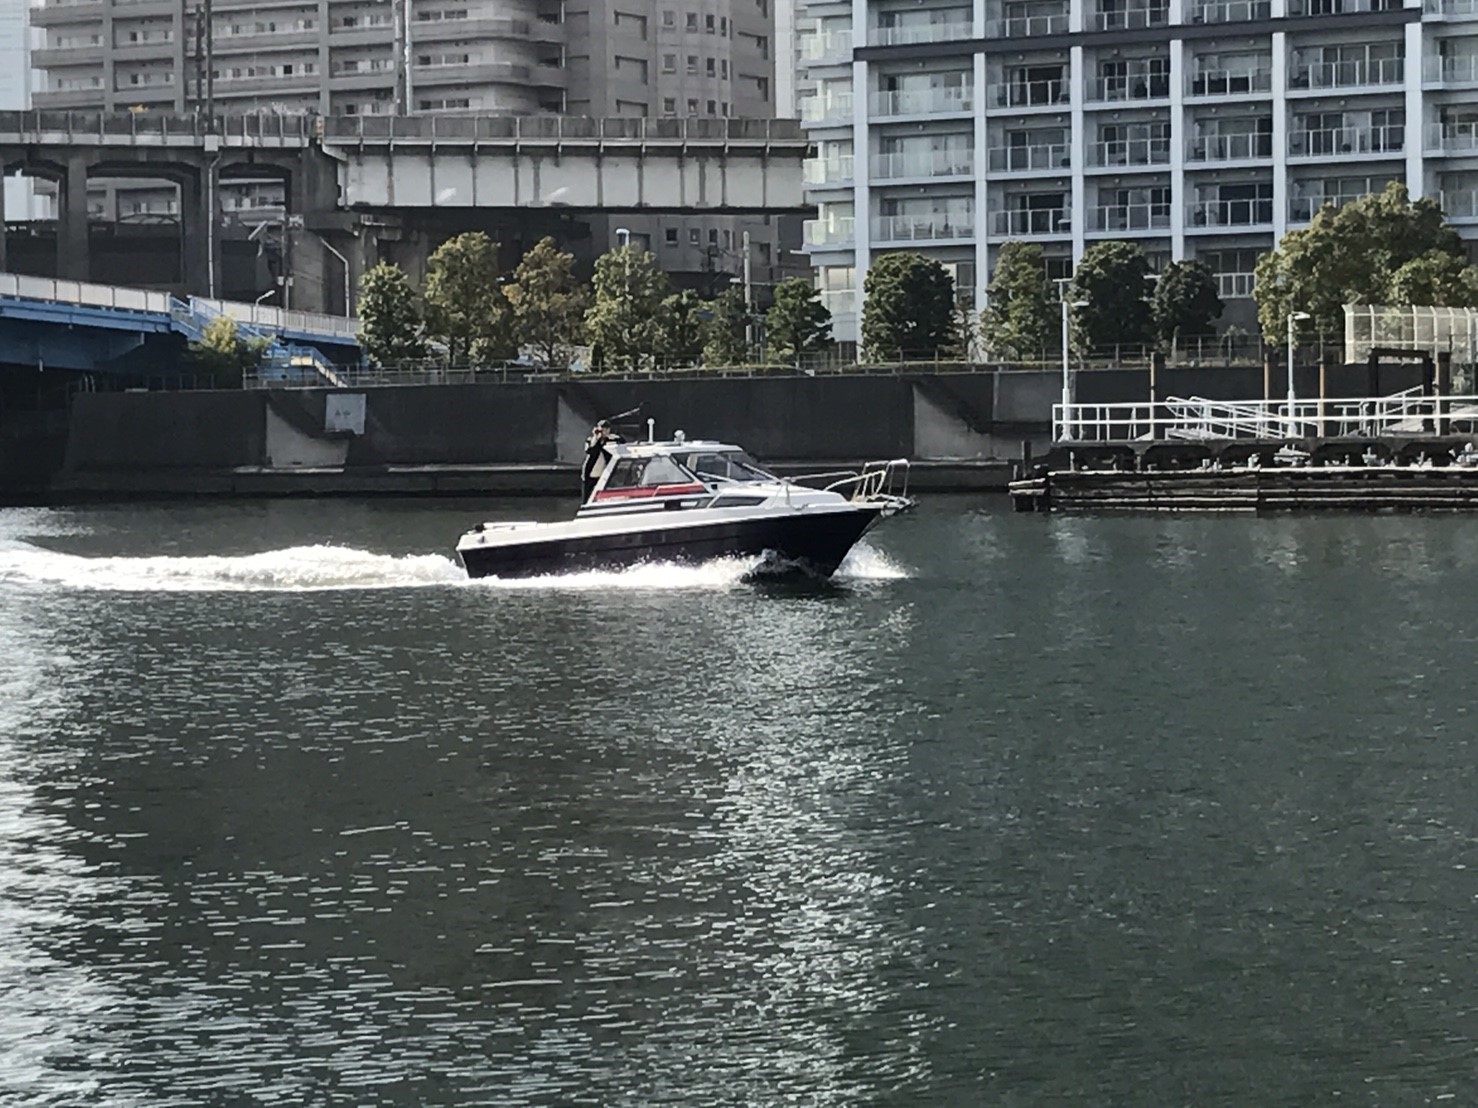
1193	419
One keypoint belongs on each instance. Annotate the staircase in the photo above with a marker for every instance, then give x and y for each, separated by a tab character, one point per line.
282	362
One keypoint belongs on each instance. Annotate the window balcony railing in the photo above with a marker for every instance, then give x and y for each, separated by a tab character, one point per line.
1451	7
1125	19
1144	87
1032	221
826	44
1341	7
1236	147
1235	286
839	302
819	109
830	232
1230	82
1459	70
1351	74
1044	156
1129	152
1229	11
1129	217
934	101
1459	203
1340	141
1229	213
827	171
1026	94
912	34
934	227
1028	26
1452	138
923	163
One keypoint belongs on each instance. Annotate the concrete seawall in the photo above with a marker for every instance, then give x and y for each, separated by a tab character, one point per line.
964	428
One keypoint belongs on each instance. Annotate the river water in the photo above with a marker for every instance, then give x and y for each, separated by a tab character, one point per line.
1019	810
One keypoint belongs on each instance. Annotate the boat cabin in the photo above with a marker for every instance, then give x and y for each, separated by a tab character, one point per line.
671	474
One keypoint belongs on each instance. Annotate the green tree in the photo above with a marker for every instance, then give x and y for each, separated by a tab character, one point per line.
225	354
1186	302
548	304
1350	255
1110	284
681	327
465	305
725	341
1435	279
909	308
391	328
1020	317
798	322
624	324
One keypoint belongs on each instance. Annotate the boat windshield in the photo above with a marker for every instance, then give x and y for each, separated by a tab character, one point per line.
726	465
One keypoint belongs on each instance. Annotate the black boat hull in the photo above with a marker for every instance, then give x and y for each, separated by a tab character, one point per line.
815	541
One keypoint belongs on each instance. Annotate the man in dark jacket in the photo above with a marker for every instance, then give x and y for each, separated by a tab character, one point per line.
595	451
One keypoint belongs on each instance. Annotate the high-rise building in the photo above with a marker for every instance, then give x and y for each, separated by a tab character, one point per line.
19	201
652	58
1198	128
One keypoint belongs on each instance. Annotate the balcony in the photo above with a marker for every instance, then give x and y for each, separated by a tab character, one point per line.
1342	141
827	172
1230	82
1054	156
1129	217
1229	11
933	227
946	100
1449	8
1030	94
1235	286
1121	153
1459	203
830	109
923	163
839	302
1452	138
841	231
827	45
1229	213
1138	87
912	34
1126	19
1351	74
1028	26
1024	222
1238	147
1460	70
1341	7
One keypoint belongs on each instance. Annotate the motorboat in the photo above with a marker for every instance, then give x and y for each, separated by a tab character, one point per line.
689	501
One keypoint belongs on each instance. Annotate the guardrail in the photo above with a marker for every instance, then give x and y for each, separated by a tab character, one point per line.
59	291
1196	419
556	128
264	318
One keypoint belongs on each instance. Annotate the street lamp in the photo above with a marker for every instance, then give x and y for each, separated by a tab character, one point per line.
623	236
1293	317
1067	380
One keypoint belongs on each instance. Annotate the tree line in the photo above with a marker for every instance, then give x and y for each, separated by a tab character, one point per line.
470	314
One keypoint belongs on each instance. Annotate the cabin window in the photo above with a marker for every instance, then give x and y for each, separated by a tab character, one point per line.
726	466
630	473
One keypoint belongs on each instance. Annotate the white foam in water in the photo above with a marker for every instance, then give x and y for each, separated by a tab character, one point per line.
312	568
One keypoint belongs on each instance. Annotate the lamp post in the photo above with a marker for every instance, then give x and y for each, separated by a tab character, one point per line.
623	237
1067	379
1293	318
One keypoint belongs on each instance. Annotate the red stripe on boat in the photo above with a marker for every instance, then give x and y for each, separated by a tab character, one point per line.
642	491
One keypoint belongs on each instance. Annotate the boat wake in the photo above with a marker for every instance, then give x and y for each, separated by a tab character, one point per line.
323	568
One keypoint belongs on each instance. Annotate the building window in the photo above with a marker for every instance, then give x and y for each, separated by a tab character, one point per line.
713	238
712	107
693	63
669	18
723	25
708	24
724	69
669	63
669	105
670	236
693	21
692	107
692	236
712	67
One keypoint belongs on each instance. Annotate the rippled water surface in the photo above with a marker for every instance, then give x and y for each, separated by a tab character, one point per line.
1018	810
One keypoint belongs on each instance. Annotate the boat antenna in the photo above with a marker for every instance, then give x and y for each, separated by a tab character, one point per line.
623	415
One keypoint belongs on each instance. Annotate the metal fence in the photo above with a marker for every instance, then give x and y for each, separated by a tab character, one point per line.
60	291
261	317
1434	330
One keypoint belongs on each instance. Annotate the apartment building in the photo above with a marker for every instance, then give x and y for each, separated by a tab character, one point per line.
19	201
651	58
1198	128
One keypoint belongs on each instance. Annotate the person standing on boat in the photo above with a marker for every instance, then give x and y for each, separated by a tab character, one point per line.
595	455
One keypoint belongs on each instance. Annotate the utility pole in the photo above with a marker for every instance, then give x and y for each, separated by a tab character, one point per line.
748	299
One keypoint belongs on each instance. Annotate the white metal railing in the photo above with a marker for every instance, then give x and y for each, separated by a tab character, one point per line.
932	101
1135	86
912	34
827	171
1451	7
1053	155
1348	74
829	232
816	109
1235	286
839	302
826	44
1129	217
1127	152
1198	419
1459	203
278	319
1028	94
1123	19
1333	142
1461	69
1452	138
923	228
1029	26
85	293
1341	7
923	163
1032	221
1230	82
1230	11
1229	213
1238	146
